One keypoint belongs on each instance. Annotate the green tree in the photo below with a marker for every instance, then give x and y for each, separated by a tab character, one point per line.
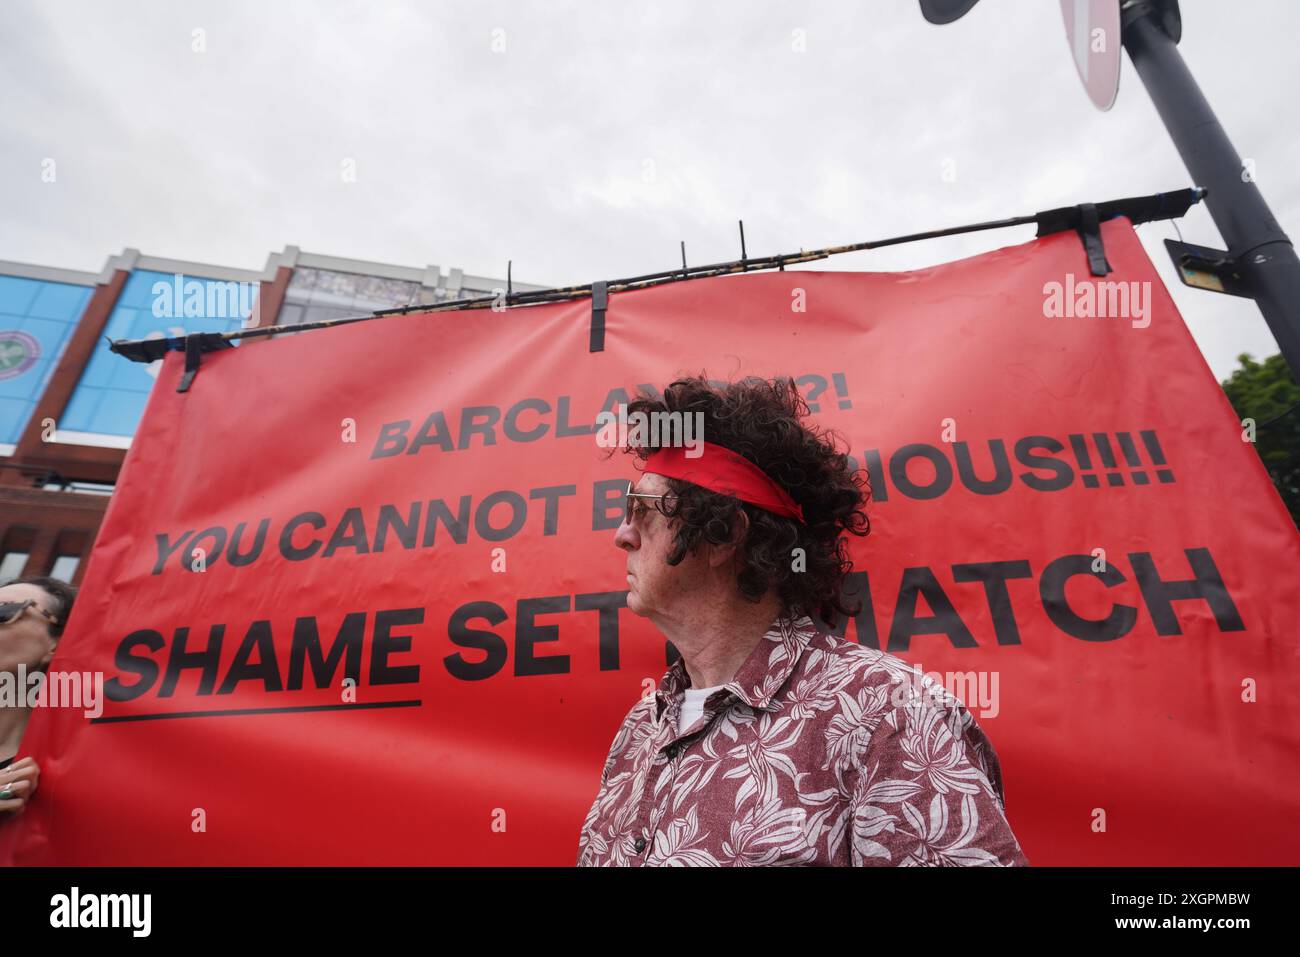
1267	393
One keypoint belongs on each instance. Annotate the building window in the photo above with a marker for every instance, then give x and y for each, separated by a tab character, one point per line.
65	566
12	565
318	294
36	322
59	484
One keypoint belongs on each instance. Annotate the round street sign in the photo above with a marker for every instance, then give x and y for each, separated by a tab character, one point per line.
1092	27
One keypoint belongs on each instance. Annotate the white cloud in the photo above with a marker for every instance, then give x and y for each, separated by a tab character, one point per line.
469	157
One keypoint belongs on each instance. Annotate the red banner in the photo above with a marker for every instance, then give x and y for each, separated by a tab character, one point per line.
356	599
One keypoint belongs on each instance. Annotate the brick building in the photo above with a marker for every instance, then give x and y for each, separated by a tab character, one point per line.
69	406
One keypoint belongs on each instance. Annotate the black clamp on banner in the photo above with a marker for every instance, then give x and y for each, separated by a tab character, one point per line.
1090	233
197	343
599	303
1086	218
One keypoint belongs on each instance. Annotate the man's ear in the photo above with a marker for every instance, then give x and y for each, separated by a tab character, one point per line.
727	552
740	529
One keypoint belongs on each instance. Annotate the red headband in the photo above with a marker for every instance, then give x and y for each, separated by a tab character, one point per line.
721	470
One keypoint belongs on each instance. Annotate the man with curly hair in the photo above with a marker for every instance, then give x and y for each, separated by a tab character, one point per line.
769	741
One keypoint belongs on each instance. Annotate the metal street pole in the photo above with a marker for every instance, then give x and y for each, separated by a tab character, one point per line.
1261	252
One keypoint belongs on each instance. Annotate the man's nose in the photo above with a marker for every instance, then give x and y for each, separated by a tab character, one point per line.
626	536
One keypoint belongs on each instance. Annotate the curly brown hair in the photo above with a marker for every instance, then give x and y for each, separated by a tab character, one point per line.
762	420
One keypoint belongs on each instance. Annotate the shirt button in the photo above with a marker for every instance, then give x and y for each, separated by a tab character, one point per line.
639	844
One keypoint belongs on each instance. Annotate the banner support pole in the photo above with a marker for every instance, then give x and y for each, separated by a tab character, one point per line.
1261	251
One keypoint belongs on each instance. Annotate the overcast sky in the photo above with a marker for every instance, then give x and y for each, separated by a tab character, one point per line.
603	133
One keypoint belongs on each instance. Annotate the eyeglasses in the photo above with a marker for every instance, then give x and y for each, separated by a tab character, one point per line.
633	510
11	610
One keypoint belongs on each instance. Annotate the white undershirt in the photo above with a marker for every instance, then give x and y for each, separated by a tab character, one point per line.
693	706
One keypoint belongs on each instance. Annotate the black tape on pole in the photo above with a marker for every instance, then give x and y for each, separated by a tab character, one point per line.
1090	233
192	353
197	343
599	303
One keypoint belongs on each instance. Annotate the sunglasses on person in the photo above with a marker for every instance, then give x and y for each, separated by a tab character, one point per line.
633	507
11	610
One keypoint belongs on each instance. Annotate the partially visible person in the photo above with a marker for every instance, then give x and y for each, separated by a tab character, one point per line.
33	612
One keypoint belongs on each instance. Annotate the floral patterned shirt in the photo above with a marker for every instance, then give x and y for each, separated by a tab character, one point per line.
819	751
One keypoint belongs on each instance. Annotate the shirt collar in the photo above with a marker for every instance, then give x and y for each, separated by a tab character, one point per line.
764	672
